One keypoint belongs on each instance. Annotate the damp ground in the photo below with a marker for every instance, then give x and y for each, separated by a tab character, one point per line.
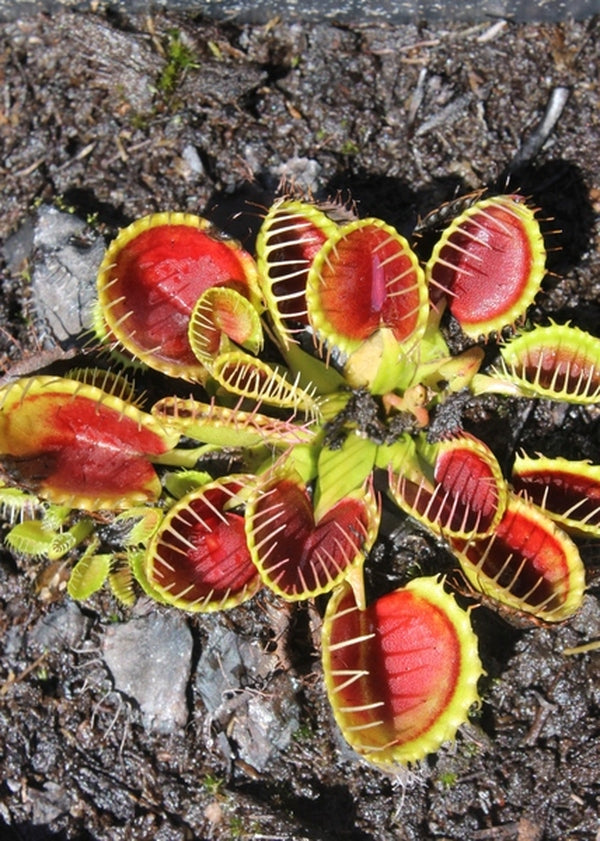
107	117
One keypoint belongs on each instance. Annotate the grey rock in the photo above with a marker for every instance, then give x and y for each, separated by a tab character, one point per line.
55	227
587	620
63	627
18	248
225	664
149	658
64	274
48	803
14	641
247	695
64	267
192	161
300	172
267	724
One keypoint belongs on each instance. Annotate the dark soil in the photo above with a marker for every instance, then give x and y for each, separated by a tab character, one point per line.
114	117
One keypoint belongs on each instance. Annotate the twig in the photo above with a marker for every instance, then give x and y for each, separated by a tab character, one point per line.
538	137
446	115
12	678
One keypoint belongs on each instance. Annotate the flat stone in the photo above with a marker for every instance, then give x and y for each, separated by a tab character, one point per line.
149	659
247	694
268	722
56	247
49	802
63	280
303	173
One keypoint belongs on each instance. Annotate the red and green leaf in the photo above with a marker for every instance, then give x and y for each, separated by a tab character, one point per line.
76	445
251	378
557	362
229	427
150	279
220	317
464	493
566	491
291	235
527	564
402	674
364	278
298	556
491	262
198	560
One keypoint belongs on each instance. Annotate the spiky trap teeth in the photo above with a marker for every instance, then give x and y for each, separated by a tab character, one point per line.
309	379
153	274
198	559
491	261
402	674
298	556
77	445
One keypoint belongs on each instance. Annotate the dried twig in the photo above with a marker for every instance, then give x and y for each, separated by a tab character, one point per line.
538	137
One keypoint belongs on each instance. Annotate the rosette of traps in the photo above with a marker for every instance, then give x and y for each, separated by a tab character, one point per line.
221	453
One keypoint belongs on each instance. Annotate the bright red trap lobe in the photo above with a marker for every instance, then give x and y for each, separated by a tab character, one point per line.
369	282
160	274
297	554
204	552
490	261
72	444
413	661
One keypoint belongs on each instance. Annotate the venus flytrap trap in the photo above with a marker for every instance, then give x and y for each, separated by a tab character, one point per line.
526	564
490	262
455	487
566	491
401	674
316	368
199	558
75	444
151	280
558	362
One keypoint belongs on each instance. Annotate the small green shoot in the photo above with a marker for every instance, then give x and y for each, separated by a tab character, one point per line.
179	59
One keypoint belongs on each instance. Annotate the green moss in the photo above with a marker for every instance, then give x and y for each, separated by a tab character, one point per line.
236	826
349	147
470	749
212	784
179	58
304	733
448	779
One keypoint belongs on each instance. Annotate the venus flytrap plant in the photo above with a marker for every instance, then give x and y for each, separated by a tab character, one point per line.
357	366
490	262
289	239
89	573
42	539
401	674
199	558
526	564
300	551
456	489
366	286
17	505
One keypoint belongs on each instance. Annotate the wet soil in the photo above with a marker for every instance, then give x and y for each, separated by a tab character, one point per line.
112	117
